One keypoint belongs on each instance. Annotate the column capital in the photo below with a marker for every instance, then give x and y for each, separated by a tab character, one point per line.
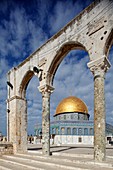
46	88
99	66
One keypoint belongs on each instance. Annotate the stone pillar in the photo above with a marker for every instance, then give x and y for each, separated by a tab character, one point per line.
46	90
99	67
18	124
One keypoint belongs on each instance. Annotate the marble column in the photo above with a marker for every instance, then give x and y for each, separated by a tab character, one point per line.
46	91
99	67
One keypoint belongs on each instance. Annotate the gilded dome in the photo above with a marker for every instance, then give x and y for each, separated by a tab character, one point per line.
71	104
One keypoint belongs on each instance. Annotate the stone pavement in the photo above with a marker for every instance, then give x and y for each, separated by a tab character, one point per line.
70	157
74	149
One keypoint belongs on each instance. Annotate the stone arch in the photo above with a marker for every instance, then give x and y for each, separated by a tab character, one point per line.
24	83
109	43
61	53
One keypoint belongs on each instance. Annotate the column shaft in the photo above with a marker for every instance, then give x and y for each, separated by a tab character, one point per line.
99	67
99	119
46	90
17	125
46	124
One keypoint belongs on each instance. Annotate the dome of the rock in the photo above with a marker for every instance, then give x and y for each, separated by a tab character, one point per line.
71	104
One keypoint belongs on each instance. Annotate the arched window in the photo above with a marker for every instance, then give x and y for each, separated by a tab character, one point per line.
74	131
91	131
62	130
68	131
86	131
80	131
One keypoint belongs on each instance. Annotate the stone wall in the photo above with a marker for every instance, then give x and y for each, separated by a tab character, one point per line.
71	139
6	148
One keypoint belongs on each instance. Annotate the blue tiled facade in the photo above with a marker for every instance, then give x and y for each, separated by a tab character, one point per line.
68	127
71	127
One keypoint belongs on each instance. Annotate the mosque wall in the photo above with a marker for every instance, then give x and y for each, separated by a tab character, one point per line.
71	139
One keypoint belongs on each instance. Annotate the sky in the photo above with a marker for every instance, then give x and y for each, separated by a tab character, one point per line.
24	26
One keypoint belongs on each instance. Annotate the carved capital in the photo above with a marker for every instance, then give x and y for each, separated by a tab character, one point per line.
100	66
46	89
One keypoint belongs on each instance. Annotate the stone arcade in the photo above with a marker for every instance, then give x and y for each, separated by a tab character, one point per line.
92	31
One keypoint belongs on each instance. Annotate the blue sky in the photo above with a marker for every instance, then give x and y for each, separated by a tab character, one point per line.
24	26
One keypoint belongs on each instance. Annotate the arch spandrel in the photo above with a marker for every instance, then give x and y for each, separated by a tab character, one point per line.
108	43
103	44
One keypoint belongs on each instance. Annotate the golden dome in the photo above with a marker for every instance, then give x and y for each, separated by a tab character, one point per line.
71	104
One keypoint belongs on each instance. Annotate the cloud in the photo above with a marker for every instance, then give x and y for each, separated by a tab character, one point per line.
63	12
20	34
4	67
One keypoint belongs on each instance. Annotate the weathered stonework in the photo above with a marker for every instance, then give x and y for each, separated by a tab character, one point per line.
91	31
6	148
99	68
46	92
18	124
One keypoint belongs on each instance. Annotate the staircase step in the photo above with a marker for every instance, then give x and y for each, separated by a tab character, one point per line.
78	159
54	159
44	162
35	161
6	164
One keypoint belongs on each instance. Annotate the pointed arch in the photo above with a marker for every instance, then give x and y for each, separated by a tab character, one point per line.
23	86
61	53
